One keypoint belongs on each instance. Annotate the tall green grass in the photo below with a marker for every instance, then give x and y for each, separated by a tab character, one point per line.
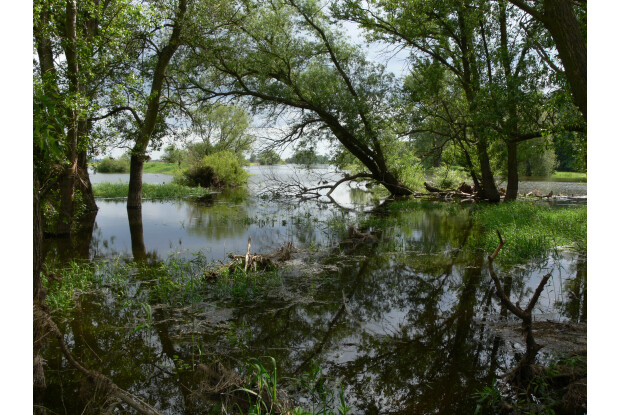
531	230
569	175
149	191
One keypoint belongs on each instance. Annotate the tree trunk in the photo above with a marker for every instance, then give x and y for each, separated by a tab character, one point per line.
512	187
134	198
560	20
83	183
67	180
64	223
489	190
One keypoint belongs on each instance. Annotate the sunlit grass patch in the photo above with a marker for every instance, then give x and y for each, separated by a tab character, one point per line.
531	230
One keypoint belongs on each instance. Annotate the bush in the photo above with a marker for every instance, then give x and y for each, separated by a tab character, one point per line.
446	177
220	169
110	165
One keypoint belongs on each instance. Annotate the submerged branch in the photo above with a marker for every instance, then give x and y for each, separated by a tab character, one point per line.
522	373
102	382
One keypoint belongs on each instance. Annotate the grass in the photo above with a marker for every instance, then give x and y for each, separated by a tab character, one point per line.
531	230
263	391
149	191
569	175
161	168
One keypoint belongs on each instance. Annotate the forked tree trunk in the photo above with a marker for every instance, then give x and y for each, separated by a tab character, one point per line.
134	198
67	180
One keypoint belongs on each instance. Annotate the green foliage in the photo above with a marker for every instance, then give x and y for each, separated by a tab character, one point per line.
217	170
324	400
307	157
160	168
570	176
110	165
149	191
446	177
242	286
173	155
65	284
531	230
263	391
269	158
537	158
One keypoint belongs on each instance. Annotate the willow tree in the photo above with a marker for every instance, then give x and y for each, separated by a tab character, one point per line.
444	31
285	57
79	46
492	50
565	21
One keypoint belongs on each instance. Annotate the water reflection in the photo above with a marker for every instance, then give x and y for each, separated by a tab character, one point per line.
405	322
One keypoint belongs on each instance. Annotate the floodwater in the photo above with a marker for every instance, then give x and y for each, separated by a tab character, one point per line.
404	325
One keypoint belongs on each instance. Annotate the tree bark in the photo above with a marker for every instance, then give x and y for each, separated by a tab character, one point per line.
512	187
489	189
562	23
84	184
558	17
64	222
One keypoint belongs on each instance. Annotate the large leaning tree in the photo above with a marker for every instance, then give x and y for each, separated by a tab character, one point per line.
285	57
491	57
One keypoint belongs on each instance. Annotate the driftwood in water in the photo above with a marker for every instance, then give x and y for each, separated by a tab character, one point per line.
255	262
464	191
522	373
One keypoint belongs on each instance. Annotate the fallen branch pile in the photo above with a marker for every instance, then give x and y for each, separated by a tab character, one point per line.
255	262
465	192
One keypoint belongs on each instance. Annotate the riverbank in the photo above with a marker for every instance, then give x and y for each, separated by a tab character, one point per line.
149	191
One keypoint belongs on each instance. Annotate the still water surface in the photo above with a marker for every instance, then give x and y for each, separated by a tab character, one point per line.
404	325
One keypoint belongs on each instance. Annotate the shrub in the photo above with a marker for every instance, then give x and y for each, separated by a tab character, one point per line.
110	165
221	169
446	177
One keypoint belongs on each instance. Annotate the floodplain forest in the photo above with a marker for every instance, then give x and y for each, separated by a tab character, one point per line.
309	207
